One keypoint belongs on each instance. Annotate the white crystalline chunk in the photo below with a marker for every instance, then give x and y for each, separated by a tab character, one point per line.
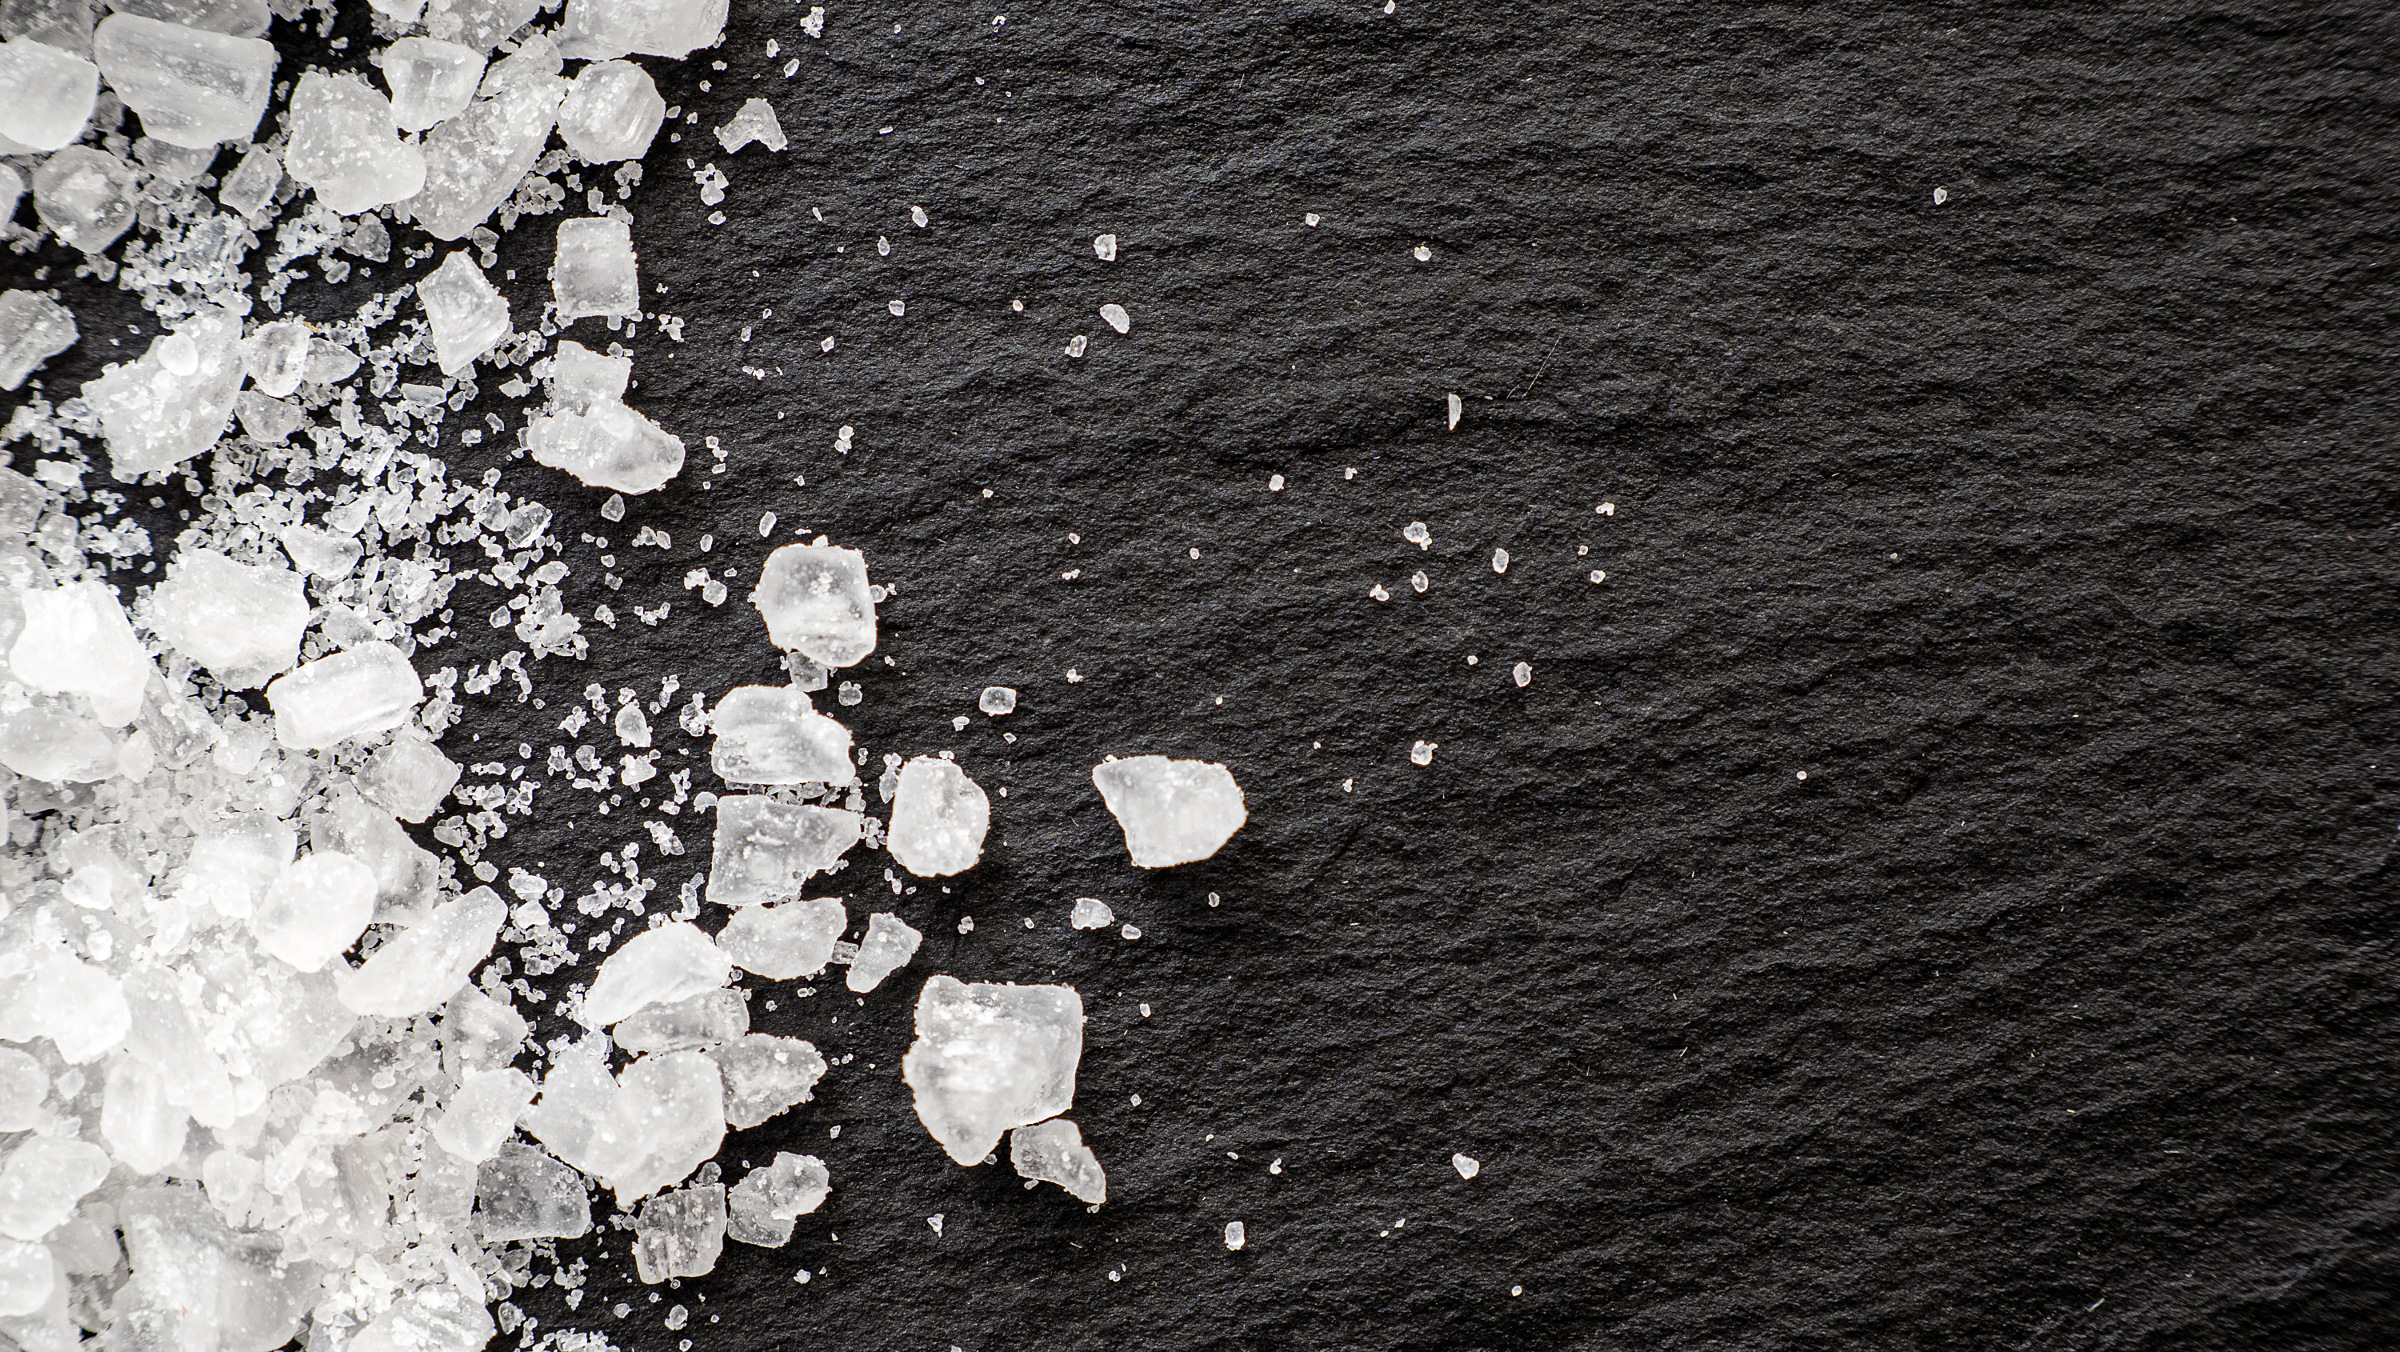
766	850
192	87
246	191
77	641
612	112
598	29
479	1032
669	1116
1104	248
770	734
816	603
467	312
1116	317
144	1129
1235	1235
56	745
709	1019
997	700
64	24
989	1057
786	939
87	196
594	272
318	552
522	1193
409	778
23	1086
1173	811
679	1234
367	690
234	861
1054	1152
28	1275
479	23
316	910
1091	913
755	122
195	1282
415	971
80	1008
430	80
674	961
42	1180
346	146
889	943
171	404
50	95
240	621
33	329
475	160
765	1075
241	18
482	1113
768	1202
433	1318
581	379
276	357
939	817
611	446
1466	1165
328	363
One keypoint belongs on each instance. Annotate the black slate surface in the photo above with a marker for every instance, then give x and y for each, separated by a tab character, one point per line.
1936	892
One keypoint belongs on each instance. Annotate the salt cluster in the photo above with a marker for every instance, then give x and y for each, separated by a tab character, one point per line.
989	1057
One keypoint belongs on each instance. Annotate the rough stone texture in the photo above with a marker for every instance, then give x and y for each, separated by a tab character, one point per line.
2092	860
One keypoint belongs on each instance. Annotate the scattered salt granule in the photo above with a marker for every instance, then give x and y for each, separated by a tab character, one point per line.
1416	534
1172	811
172	403
522	1193
241	621
33	329
1940	195
1422	253
606	445
939	817
345	144
1522	673
1116	317
765	850
1606	509
1235	1236
989	1057
897	307
1419	581
1090	913
813	23
1456	407
1077	345
1054	1152
595	273
276	356
768	1203
917	215
816	602
430	80
1378	593
786	939
1467	1166
612	113
1104	247
467	313
86	196
1310	219
1599	576
191	87
368	689
1499	560
888	945
935	1220
1422	752
408	778
599	29
1129	931
997	700
1274	483
755	122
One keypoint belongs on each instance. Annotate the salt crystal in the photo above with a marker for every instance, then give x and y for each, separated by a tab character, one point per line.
233	861
771	735
1130	932
1499	560
1104	247
1416	534
1090	913
241	18
87	196
786	939
12	190
316	910
594	273
997	700
1054	1152
815	602
1078	345
939	817
43	1179
916	216
417	970
191	87
76	640
768	1202
989	1057
1522	673
670	962
1422	752
241	621
64	24
319	552
1116	317
251	185
1467	1166
1235	1235
521	1193
474	161
483	1112
467	312
1456	407
276	357
755	122
50	96
1172	811
480	23
765	850
765	1076
1418	582
409	778
369	689
608	446
195	1282
431	80
598	29
637	1132
889	943
57	746
612	113
346	145
158	416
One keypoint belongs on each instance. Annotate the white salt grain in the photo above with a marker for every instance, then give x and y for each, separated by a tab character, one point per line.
1422	752
1419	581
1523	674
1467	1167
1235	1235
1456	407
1416	534
1116	317
1105	248
1499	560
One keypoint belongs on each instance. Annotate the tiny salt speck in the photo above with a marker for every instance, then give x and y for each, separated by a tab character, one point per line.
1424	255
1422	752
997	700
917	214
935	1220
1523	674
1194	551
1131	931
1378	593
827	345
1466	1165
1310	219
1801	775
897	307
1419	581
1074	677
1598	576
1104	247
1606	509
1940	195
959	724
1116	317
1077	344
1235	1236
1416	534
1017	305
1516	1290
1457	406
766	524
1499	560
1274	483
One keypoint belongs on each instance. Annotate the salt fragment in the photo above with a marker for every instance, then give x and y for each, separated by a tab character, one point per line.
765	850
613	112
1054	1152
755	122
1172	811
679	1233
772	735
191	87
1466	1165
1116	317
783	940
768	1202
594	273
431	80
939	817
51	94
316	910
1422	752
369	689
1235	1235
1090	913
889	943
86	196
1522	674
171	404
816	603
346	145
766	1075
671	962
467	313
418	970
989	1057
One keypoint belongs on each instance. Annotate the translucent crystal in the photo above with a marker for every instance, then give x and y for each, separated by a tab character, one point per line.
612	113
785	939
581	379
1090	913
276	357
765	1075
816	603
409	778
12	190
346	146
478	23
1173	811
64	24
50	96
679	1233
171	404
670	962
483	1113
609	446
598	29
431	80
989	1057
233	861
56	745
316	910
939	817
77	641
755	122
87	196
417	970
145	1130
766	850
196	1282
467	312
79	1007
475	160
522	1193
247	190
594	273
432	1318
241	18
997	700
769	734
648	1128
192	87
241	621
768	1202
710	1019
1054	1152
358	693
42	1180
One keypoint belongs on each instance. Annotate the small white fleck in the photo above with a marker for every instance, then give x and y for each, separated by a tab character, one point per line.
1516	1290
1131	931
1523	672
883	247
1940	195
1274	483
1277	1166
1310	219
1116	317
766	524
1419	581
917	214
1379	593
1194	551
1077	344
1424	255
1104	247
1457	406
1017	305
1074	677
897	307
1598	576
1422	752
959	724
1145	1009
1466	1165
1803	774
1234	1236
827	345
1346	785
1136	1100
1606	509
1416	534
1499	560
935	1220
